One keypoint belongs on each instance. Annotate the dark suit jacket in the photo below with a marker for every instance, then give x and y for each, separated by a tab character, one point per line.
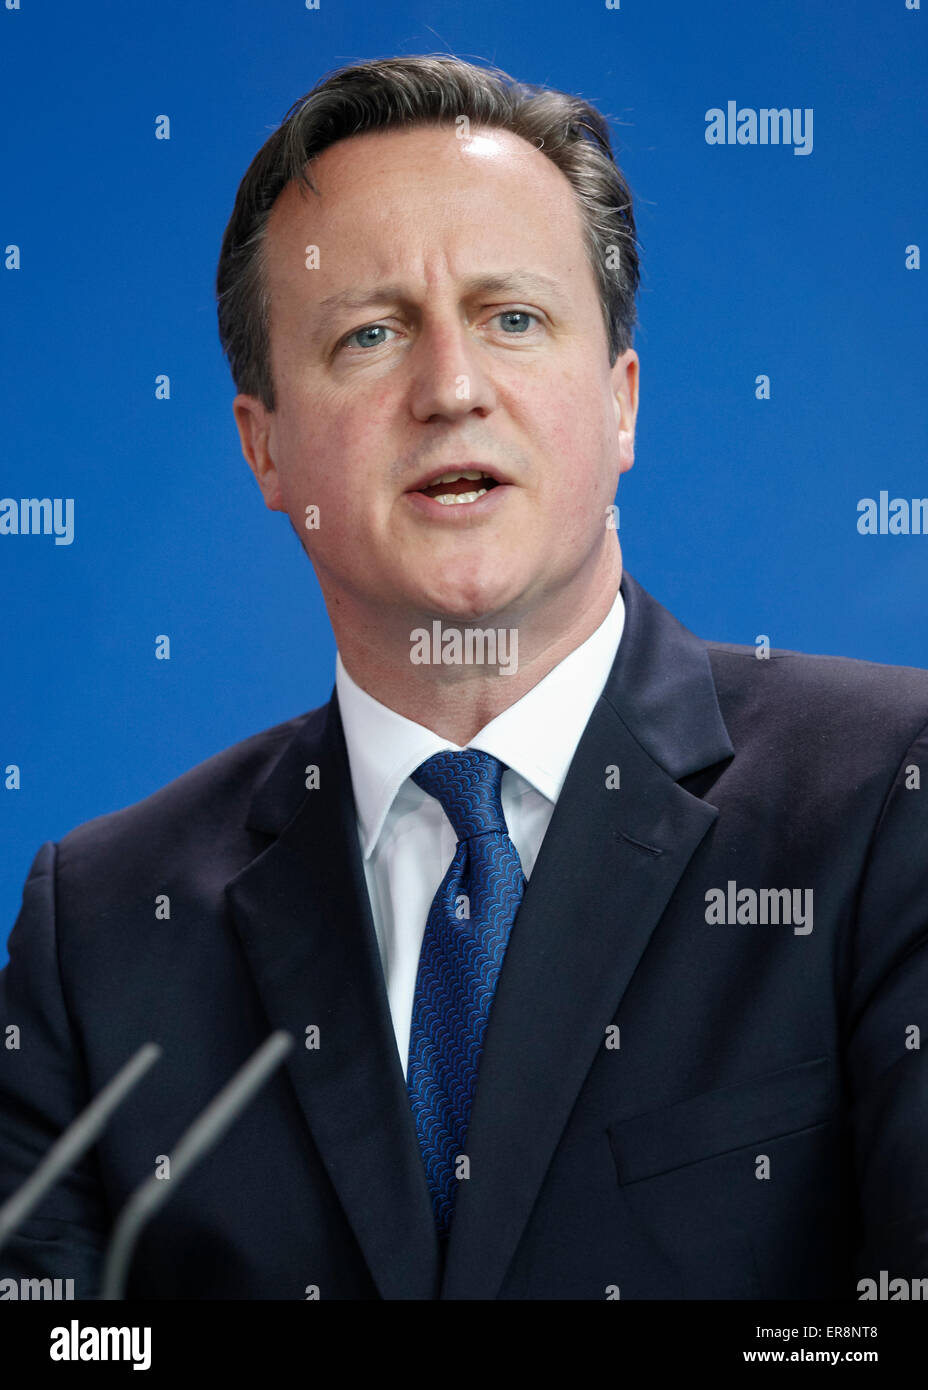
761	1129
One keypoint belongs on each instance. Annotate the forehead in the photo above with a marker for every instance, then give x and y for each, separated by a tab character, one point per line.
422	201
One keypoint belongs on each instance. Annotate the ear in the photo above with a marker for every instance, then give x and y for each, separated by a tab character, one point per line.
624	377
256	432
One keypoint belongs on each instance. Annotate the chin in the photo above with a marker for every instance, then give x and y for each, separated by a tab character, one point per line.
454	606
459	592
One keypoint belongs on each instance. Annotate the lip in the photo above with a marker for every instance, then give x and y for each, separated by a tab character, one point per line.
469	467
458	513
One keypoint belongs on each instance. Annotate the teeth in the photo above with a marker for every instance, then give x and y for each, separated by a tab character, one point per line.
472	473
448	499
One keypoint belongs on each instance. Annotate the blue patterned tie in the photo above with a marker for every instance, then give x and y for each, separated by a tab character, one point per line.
460	961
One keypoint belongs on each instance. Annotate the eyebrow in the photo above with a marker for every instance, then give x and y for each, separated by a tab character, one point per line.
512	283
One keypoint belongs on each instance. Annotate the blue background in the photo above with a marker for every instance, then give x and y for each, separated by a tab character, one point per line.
739	515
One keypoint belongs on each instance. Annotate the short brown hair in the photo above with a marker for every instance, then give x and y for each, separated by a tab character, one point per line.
431	89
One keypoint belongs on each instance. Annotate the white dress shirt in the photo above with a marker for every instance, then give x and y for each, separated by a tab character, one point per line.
407	841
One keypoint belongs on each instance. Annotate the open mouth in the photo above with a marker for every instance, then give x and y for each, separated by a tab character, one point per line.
459	488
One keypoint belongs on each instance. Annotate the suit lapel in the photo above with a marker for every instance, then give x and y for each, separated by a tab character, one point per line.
302	912
608	865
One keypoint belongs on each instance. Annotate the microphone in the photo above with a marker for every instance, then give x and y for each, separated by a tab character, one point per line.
205	1131
75	1141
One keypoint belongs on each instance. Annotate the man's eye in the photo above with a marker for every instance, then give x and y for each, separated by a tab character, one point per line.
364	335
511	319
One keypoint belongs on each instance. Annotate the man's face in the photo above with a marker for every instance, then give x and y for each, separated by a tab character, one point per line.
452	323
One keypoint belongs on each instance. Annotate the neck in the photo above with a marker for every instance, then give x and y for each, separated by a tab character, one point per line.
457	700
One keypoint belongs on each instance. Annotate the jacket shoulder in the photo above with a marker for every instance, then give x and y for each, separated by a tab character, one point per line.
215	792
803	691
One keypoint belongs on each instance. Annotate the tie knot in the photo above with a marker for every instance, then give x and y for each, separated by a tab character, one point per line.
468	786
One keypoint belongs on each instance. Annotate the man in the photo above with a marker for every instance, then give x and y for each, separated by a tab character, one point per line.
603	946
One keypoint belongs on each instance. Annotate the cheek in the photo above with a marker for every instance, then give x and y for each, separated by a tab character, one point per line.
314	445
335	458
572	425
332	437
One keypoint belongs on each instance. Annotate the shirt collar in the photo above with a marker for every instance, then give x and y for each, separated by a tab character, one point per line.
536	737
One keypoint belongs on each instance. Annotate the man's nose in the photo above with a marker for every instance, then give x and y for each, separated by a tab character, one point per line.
449	374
